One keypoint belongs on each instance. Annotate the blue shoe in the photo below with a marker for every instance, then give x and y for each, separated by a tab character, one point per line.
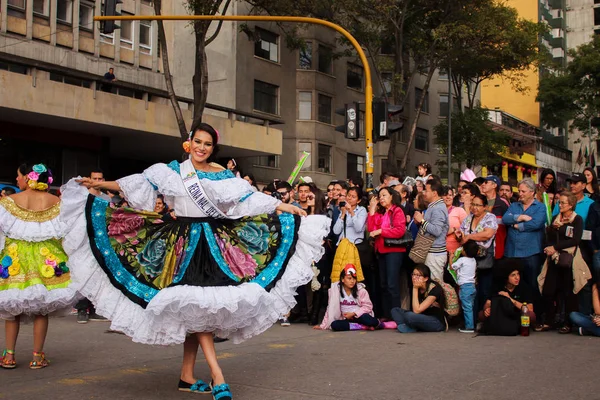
221	392
199	387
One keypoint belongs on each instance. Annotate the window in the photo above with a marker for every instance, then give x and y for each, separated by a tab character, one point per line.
145	37
305	147
86	15
265	97
20	4
443	105
325	158
41	7
127	34
443	74
109	39
422	139
355	165
325	60
135	94
305	105
266	47
388	81
19	69
69	80
324	109
306	56
354	76
418	94
268	161
64	11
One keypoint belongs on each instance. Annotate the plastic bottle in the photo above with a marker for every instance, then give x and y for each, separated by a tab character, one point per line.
525	320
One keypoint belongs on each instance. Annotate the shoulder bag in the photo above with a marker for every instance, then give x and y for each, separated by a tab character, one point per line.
404	241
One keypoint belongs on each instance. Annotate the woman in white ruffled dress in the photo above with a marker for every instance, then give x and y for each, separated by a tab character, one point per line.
228	264
34	278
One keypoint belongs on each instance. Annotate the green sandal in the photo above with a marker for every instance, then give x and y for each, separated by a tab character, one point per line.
41	363
8	364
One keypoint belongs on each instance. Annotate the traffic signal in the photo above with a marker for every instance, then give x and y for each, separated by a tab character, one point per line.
382	120
350	112
109	9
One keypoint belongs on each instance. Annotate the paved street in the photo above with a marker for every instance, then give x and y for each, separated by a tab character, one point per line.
299	363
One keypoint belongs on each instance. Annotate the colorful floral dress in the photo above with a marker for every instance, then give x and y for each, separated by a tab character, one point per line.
34	277
158	278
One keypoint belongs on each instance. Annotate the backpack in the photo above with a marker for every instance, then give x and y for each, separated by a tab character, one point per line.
451	306
346	253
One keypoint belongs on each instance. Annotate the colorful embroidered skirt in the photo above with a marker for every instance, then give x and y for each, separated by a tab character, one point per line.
34	278
143	252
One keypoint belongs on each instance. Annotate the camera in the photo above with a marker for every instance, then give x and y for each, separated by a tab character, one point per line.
342	204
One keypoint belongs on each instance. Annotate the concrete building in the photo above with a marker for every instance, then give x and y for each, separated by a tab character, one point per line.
56	108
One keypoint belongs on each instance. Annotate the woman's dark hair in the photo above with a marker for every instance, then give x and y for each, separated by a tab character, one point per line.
24	169
483	199
426	272
594	180
427	168
358	191
472	188
202	126
320	201
548	171
396	199
354	290
252	180
165	206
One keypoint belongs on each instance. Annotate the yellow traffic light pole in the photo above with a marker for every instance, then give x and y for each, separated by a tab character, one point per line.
345	33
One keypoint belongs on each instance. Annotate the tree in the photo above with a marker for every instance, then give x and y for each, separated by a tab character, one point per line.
471	130
200	78
573	93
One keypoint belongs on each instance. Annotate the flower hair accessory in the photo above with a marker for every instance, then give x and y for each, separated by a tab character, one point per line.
34	176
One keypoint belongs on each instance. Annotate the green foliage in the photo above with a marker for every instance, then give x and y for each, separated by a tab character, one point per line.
473	139
573	93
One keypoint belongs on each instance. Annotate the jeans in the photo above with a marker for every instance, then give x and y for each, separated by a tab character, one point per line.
390	265
585	295
409	322
467	294
344	324
585	321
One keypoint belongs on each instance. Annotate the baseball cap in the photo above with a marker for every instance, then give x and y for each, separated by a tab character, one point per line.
577	177
494	179
350	269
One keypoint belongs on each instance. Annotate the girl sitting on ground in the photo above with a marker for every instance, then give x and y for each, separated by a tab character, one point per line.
349	306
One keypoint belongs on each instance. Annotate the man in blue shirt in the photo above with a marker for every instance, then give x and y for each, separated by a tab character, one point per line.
525	221
577	184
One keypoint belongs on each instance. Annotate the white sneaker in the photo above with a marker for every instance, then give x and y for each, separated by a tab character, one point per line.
580	331
284	322
466	330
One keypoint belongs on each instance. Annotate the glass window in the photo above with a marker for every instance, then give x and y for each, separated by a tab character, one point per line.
19	69
305	105
268	161
145	37
418	94
86	15
305	147
265	97
325	60
355	165
354	76
20	4
266	47
126	34
64	11
41	7
306	56
388	81
324	109
443	105
422	139
443	74
325	158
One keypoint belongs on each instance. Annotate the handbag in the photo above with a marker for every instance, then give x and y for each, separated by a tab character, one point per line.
565	259
485	257
403	241
421	248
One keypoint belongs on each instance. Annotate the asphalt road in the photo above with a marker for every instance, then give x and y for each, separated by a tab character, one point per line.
297	363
